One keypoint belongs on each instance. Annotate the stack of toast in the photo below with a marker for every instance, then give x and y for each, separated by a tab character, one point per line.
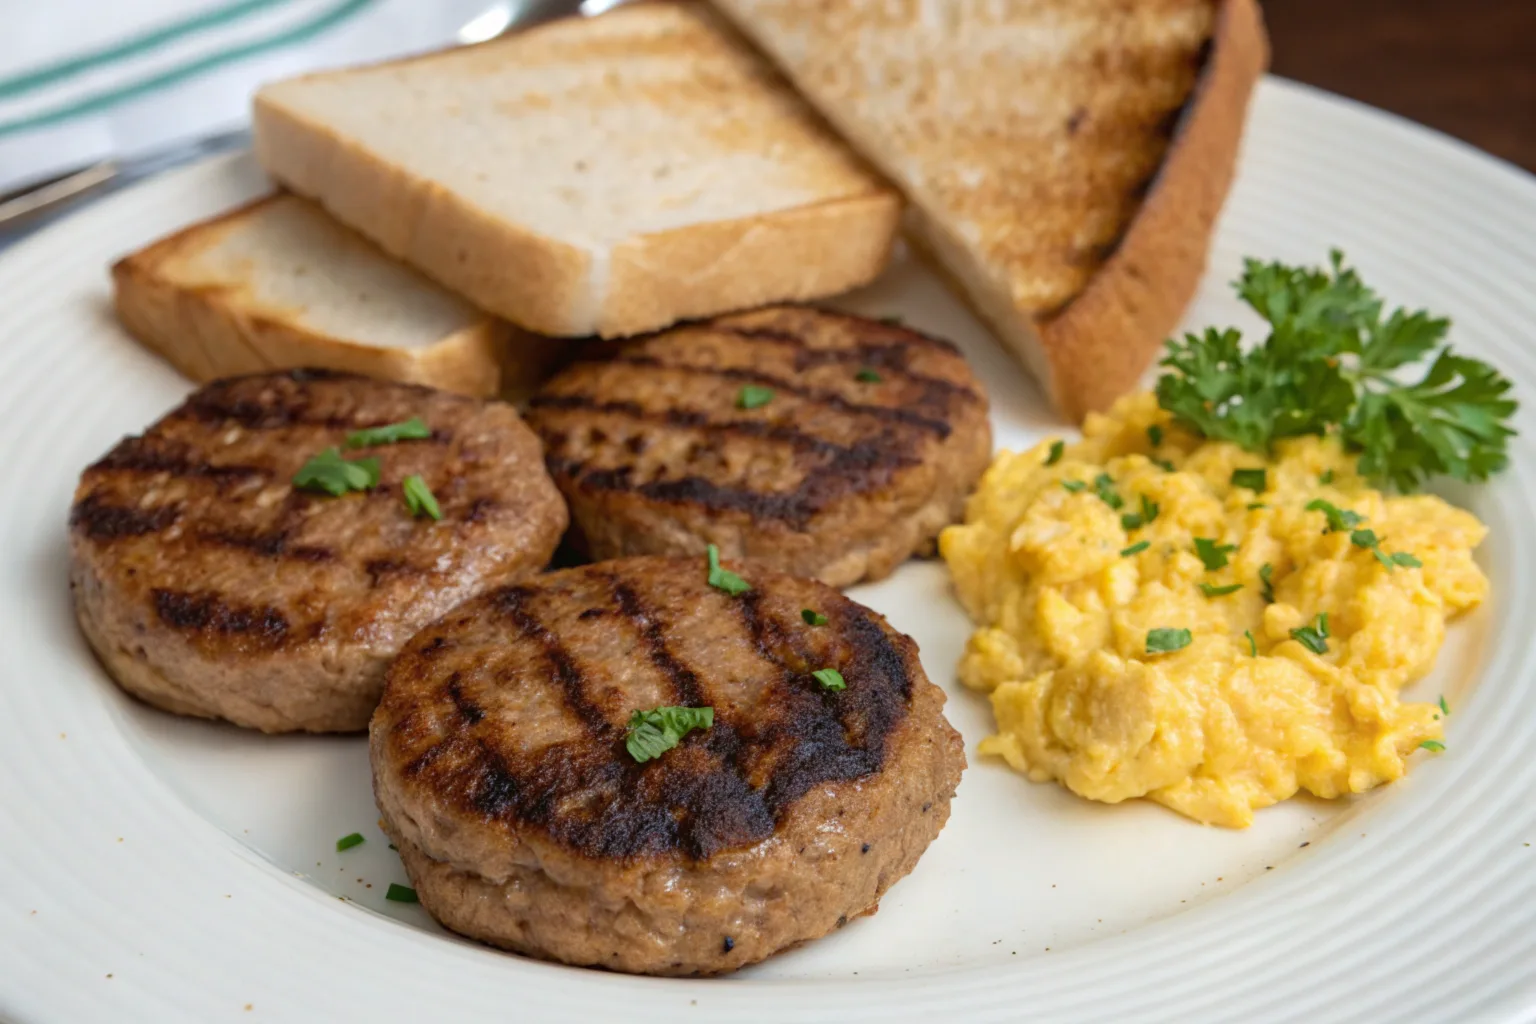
457	219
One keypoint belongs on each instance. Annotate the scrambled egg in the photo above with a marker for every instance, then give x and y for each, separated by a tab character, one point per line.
1068	563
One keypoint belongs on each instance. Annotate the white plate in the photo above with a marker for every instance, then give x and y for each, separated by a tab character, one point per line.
158	869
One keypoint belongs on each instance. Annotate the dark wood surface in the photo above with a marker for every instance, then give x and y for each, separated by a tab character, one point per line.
1466	67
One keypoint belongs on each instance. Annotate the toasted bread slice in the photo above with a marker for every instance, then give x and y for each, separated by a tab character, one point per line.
603	175
1065	160
277	284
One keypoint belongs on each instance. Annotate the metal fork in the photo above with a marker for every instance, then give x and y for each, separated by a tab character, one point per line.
26	210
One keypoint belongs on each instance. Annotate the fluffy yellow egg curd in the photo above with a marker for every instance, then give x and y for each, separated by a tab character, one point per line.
1072	555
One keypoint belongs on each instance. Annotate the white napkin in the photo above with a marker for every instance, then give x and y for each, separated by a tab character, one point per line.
85	80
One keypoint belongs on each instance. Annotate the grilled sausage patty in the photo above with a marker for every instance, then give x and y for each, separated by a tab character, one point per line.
870	441
209	585
501	771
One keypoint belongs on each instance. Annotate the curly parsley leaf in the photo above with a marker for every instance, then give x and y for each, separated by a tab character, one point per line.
1104	487
652	733
724	579
334	475
829	678
1339	519
412	429
1165	641
419	499
1332	364
1212	554
1314	635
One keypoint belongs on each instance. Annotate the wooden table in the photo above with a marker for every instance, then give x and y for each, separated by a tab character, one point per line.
1466	67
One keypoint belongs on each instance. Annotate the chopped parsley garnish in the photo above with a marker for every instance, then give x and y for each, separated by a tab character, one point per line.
829	678
1255	505
1135	520
1155	435
652	733
1253	479
724	579
1434	745
1444	708
1266	584
753	397
1074	485
334	475
1253	645
1054	456
1165	641
1104	487
867	376
347	842
813	618
1211	591
1135	549
412	429
1325	477
1339	519
1333	365
1367	539
1213	555
419	499
1164	465
1314	636
401	893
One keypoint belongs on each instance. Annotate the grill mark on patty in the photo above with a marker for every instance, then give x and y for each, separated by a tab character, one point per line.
817	747
471	712
684	683
861	468
379	568
272	544
790	507
135	455
814	396
102	520
480	509
689	419
207	611
861	325
281	408
893	357
592	798
512	602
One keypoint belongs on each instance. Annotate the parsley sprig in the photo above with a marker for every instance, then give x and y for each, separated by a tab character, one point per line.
654	732
1333	364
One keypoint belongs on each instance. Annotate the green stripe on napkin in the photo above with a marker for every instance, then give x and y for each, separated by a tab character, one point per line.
91	104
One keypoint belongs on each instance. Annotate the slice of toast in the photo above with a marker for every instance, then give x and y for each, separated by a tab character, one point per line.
278	284
604	175
1065	159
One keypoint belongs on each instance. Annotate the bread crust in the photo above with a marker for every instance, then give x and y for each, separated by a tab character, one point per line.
536	282
207	333
786	256
1101	343
544	284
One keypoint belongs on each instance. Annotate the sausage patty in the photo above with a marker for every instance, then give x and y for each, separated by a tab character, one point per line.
209	585
502	773
817	443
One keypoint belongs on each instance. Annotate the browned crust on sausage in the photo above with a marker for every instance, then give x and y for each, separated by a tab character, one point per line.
1101	343
874	435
